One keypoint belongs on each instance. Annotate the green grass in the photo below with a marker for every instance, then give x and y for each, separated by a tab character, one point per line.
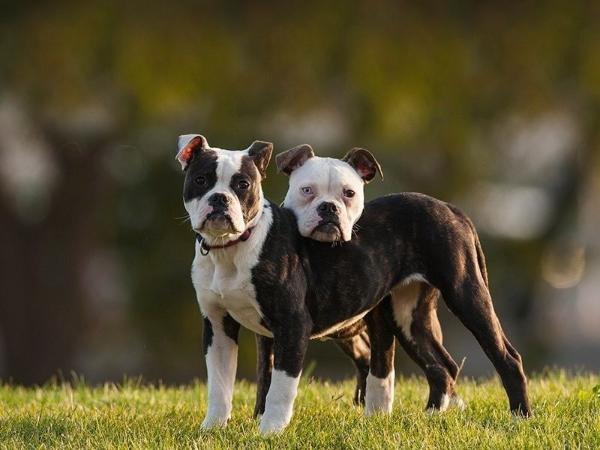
133	415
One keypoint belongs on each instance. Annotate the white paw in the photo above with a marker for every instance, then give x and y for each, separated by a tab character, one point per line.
444	403
279	403
214	420
371	409
457	402
270	425
448	401
379	397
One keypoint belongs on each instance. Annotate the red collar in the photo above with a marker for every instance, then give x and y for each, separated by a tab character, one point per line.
205	248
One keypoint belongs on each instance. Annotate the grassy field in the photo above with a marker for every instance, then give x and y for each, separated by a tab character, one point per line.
566	414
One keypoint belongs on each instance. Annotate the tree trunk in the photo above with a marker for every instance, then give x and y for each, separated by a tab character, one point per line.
42	305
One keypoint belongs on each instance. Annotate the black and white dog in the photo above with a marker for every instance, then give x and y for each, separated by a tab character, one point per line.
252	267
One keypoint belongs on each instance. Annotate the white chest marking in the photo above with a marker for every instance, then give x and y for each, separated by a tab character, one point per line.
223	278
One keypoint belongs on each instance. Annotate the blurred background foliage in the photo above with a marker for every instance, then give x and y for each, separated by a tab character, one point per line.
494	106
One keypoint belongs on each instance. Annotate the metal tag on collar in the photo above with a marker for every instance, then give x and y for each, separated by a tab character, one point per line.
203	250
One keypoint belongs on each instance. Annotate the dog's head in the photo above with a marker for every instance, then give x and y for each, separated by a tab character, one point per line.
326	194
222	190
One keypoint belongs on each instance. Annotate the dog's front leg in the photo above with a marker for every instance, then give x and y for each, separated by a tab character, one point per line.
290	345
220	349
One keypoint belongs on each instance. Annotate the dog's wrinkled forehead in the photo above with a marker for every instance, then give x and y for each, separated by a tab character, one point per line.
328	172
362	162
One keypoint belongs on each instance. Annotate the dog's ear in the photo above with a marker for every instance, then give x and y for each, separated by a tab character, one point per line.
293	158
260	152
364	163
187	146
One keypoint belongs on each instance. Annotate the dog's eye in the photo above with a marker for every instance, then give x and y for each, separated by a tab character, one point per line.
306	190
349	193
243	185
200	180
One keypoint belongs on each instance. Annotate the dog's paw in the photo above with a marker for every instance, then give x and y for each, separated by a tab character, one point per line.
213	421
272	425
457	402
447	402
379	397
444	403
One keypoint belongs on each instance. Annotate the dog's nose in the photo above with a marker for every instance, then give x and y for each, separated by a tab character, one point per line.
218	200
327	207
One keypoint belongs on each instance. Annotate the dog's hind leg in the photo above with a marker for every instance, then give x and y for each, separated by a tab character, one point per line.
471	303
465	290
358	348
264	368
463	282
380	380
414	320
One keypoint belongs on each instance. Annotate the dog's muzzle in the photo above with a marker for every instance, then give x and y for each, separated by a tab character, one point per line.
328	230
218	221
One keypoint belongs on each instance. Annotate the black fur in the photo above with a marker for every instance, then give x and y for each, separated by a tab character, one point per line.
200	174
357	346
264	367
231	328
207	335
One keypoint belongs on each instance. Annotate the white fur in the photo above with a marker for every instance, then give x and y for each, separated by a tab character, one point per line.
221	365
405	297
444	403
280	402
457	402
379	396
327	177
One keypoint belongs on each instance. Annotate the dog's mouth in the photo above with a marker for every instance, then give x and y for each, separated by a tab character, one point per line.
327	231
218	222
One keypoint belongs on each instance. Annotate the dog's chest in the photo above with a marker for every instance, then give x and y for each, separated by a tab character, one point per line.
228	287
